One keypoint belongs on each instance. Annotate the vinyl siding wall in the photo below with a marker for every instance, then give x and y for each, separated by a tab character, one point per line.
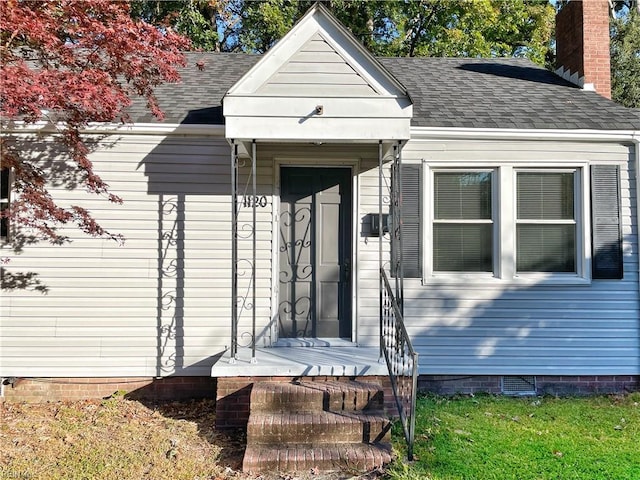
506	328
317	70
161	304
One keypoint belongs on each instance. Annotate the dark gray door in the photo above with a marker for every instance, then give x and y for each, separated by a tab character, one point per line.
315	253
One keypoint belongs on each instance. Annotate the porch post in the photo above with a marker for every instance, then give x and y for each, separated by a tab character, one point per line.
400	293
380	235
234	251
254	161
396	203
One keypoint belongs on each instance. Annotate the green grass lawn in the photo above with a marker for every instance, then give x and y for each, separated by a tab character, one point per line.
488	437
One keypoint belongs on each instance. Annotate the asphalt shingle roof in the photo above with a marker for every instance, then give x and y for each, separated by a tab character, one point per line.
447	92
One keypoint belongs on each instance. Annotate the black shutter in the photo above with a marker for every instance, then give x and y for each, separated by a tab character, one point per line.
606	222
411	230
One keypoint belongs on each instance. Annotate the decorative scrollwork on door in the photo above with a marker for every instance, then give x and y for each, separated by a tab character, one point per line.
296	316
296	270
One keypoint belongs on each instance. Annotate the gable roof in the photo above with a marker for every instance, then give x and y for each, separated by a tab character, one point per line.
317	83
446	92
319	26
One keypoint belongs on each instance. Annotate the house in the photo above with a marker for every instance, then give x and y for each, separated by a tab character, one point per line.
258	213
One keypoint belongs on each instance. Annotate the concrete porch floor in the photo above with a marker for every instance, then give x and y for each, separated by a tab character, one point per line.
297	361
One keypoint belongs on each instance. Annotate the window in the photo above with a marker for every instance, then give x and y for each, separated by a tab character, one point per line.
506	223
4	201
463	221
546	222
553	224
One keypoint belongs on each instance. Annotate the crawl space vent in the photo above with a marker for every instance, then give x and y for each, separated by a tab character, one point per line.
513	385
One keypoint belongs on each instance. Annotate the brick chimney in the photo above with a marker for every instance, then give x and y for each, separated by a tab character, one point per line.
582	45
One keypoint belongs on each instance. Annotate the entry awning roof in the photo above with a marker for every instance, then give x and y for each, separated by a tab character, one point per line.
318	83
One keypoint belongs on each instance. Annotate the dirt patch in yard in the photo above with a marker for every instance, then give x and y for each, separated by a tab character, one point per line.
121	439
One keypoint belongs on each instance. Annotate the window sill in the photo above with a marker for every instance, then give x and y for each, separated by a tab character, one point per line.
490	280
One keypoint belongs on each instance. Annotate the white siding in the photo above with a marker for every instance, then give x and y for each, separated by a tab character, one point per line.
316	69
317	85
159	304
502	328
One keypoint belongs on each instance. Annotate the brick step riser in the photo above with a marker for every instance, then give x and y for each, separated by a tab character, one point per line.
347	458
354	402
308	434
277	405
333	402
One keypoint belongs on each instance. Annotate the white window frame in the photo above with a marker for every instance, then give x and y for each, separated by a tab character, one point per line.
494	220
504	213
578	221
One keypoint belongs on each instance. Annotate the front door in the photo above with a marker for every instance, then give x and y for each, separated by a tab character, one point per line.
315	253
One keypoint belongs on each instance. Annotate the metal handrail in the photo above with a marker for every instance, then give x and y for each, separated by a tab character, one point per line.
401	358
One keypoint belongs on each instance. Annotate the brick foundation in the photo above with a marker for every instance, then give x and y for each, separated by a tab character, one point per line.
545	384
233	396
232	393
139	388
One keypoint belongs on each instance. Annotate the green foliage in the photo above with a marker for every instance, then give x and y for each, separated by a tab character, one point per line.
192	23
479	28
487	437
625	58
195	19
264	23
482	28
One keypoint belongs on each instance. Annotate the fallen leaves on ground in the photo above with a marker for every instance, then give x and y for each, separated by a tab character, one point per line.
118	438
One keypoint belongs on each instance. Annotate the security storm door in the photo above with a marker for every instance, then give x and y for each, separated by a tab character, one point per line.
315	253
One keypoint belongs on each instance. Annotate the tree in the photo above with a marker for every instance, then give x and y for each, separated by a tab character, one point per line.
210	24
71	63
481	28
394	28
625	53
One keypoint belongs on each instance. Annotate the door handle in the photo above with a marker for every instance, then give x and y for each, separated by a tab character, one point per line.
347	270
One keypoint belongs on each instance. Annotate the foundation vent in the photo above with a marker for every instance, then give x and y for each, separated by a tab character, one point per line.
519	385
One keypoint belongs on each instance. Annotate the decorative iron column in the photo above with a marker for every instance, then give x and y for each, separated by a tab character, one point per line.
254	204
397	156
396	230
245	300
234	251
380	244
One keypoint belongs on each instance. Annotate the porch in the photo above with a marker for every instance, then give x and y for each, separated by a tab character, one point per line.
311	126
295	359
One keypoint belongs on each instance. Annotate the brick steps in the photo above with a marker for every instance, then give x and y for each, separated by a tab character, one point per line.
316	425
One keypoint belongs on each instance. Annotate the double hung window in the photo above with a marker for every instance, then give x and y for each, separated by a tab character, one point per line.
506	223
463	221
546	221
558	222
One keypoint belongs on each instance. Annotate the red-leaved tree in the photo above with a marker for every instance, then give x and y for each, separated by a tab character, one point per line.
70	63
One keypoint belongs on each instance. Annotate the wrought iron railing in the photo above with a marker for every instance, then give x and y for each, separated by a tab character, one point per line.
401	358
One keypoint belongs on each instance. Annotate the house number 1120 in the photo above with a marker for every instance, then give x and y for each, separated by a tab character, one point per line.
254	201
